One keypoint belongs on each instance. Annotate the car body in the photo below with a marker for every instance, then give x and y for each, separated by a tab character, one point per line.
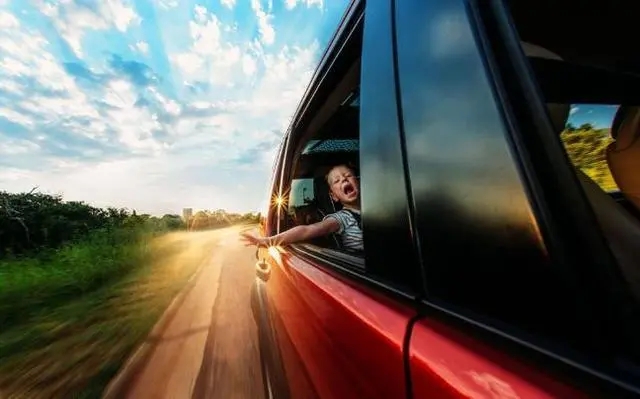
478	278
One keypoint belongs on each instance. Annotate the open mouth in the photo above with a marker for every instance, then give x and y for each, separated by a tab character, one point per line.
348	189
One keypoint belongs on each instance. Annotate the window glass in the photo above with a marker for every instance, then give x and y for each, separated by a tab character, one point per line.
482	249
586	138
599	77
301	193
301	207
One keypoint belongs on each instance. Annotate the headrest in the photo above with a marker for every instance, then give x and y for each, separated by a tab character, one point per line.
623	154
559	113
625	129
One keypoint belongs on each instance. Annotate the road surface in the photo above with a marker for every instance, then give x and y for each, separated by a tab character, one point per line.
209	347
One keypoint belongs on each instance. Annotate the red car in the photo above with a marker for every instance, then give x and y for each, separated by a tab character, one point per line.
493	266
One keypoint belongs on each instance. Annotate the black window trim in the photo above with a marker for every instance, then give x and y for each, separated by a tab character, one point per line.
353	261
341	264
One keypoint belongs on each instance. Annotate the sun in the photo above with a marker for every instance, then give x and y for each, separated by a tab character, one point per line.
279	200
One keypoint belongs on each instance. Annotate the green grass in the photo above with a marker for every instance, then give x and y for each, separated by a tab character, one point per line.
71	317
32	285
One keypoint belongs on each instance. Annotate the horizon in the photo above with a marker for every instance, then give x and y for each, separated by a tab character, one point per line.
154	105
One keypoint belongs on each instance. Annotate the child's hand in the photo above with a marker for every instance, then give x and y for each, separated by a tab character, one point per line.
252	239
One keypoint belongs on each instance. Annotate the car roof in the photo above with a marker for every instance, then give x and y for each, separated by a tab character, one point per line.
599	34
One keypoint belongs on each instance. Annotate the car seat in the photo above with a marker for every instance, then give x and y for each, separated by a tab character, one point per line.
623	154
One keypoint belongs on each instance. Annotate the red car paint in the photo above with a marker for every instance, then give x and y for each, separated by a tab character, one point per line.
446	363
345	336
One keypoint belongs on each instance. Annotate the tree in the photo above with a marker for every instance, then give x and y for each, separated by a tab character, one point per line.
586	148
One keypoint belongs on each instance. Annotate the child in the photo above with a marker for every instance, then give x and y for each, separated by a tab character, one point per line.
343	188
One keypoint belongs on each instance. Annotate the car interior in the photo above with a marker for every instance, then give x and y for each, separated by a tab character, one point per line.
331	138
574	65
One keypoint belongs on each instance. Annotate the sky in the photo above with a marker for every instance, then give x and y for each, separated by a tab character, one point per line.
153	105
599	116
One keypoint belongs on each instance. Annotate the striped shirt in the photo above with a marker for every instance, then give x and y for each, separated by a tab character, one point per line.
349	232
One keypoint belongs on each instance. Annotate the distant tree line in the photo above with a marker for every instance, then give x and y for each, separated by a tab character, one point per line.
205	220
35	221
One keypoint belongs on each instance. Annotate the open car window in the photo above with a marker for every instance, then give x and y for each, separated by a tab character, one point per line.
333	139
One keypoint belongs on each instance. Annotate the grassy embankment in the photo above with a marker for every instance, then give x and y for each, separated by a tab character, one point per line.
70	321
72	310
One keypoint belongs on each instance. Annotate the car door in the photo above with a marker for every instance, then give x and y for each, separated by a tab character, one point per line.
506	315
339	322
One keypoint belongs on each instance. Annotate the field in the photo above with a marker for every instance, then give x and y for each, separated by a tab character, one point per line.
81	287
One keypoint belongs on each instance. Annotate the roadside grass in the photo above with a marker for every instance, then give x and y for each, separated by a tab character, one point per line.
70	318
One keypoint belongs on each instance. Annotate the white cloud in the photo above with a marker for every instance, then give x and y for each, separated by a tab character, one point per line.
248	64
267	32
209	58
26	55
290	4
137	144
286	75
7	20
73	19
573	110
16	117
228	3
168	4
140	46
17	147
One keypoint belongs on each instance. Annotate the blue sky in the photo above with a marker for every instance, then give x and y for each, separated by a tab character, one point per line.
153	104
600	116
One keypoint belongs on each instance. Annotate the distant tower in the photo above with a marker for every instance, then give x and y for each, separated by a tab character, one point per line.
187	213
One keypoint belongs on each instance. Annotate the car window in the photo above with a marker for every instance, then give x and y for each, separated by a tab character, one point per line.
309	200
482	248
327	136
586	138
597	79
330	133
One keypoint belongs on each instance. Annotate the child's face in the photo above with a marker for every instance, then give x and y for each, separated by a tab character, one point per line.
343	185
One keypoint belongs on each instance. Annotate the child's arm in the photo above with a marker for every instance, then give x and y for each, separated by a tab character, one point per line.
297	234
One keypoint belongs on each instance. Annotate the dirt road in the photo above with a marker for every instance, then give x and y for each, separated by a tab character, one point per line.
208	348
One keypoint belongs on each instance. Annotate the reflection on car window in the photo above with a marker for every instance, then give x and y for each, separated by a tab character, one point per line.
301	193
301	204
586	137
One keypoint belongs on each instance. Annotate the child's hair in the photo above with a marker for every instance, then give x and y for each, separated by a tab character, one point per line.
333	166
